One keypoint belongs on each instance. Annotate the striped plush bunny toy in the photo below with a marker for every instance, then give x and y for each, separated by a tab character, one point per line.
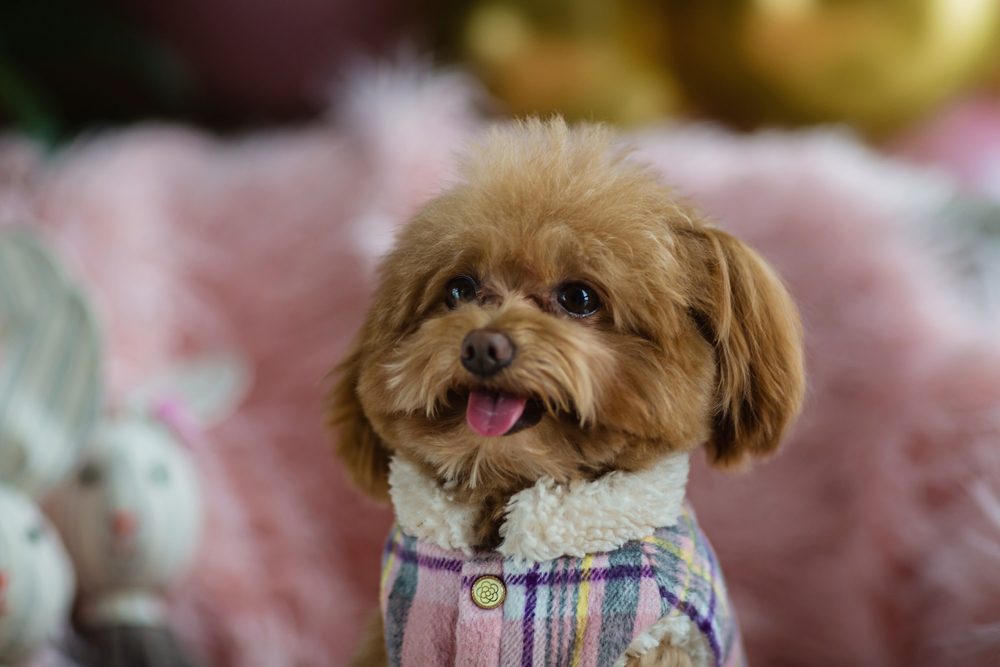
50	359
49	396
131	515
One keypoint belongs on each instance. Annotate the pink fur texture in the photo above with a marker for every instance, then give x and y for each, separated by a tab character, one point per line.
867	542
964	139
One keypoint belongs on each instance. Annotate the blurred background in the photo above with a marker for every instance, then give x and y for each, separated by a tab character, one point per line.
223	174
879	66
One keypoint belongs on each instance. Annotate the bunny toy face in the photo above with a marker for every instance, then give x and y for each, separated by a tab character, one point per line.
131	515
36	580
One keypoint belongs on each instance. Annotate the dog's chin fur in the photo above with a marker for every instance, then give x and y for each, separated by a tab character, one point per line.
696	341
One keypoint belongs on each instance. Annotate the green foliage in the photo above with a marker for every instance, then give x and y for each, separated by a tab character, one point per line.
66	65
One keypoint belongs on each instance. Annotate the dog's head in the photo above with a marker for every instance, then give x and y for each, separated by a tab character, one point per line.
559	313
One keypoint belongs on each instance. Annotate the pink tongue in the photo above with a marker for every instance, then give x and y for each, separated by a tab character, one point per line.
493	413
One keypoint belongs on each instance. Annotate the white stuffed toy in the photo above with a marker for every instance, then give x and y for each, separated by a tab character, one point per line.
50	392
131	515
36	580
50	367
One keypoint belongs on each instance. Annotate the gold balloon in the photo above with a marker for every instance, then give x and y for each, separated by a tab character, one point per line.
994	74
587	59
874	63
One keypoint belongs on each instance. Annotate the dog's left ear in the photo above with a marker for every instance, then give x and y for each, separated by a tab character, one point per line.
742	308
359	447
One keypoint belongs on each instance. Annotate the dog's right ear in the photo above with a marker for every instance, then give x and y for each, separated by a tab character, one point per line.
358	446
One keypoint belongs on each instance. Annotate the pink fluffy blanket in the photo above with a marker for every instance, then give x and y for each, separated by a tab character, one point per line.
868	541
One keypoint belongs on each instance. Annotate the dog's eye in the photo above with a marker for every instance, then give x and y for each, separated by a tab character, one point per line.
578	299
460	289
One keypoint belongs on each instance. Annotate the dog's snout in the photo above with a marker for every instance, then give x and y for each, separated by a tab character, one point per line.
486	352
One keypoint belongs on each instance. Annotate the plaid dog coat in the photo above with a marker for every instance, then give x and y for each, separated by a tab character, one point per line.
573	612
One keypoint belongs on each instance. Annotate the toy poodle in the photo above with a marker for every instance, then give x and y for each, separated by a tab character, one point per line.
551	339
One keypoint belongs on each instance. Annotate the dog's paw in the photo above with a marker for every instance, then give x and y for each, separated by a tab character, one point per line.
664	655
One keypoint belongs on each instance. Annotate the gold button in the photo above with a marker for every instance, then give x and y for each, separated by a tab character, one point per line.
488	592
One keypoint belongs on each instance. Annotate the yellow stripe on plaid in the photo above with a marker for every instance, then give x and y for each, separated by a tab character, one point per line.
721	595
582	604
389	561
693	530
684	555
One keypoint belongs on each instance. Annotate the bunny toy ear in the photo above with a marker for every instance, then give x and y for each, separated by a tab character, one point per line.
50	383
208	388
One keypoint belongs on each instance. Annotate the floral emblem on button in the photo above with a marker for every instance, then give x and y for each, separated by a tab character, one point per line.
488	592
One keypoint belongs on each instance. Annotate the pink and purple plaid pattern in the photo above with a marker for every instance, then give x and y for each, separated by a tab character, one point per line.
573	612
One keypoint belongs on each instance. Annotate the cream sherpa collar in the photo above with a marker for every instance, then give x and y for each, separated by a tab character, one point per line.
547	520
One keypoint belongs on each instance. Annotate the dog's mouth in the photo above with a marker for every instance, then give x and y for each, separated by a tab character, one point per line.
492	413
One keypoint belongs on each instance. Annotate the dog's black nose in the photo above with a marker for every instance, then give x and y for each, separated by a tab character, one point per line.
486	352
